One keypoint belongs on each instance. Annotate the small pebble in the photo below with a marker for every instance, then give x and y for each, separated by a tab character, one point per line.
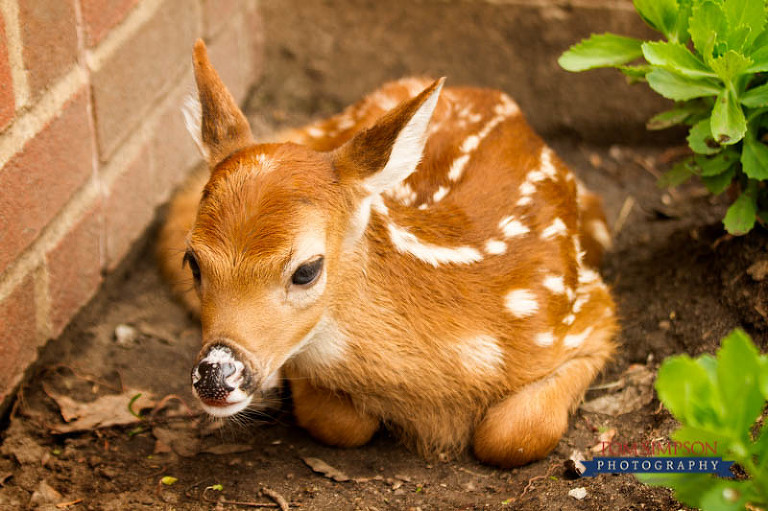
578	493
126	335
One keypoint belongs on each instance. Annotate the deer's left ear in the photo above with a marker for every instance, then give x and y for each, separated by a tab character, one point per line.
389	151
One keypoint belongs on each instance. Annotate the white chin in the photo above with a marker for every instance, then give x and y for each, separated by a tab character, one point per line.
228	410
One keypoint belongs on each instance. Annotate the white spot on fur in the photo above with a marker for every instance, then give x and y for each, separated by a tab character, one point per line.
527	188
315	132
440	193
470	144
407	243
547	167
599	232
580	302
407	150
535	176
569	319
556	228
544	339
457	167
521	303
495	247
555	283
402	192
512	227
575	340
524	201
480	354
587	276
359	222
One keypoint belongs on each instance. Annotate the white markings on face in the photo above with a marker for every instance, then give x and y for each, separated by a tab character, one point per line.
323	346
555	283
556	228
575	340
544	339
440	193
521	303
407	243
229	410
480	354
512	227
495	247
407	150
599	232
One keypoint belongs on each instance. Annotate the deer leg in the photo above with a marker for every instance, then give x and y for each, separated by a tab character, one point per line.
527	426
329	417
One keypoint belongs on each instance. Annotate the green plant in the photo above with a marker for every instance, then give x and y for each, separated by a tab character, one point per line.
719	400
712	65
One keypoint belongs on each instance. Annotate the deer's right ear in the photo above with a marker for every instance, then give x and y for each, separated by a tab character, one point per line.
216	123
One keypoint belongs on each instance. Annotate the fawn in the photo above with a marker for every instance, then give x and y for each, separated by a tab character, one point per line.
421	260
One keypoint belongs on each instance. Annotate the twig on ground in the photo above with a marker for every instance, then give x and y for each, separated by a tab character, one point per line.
63	505
626	209
536	478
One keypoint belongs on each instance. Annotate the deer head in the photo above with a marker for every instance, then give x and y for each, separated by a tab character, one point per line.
276	227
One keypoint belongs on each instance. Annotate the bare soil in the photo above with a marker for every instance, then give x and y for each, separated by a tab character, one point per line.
680	285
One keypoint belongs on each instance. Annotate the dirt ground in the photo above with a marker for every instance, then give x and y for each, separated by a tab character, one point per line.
679	283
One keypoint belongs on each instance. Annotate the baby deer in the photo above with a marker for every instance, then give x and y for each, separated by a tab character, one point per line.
421	260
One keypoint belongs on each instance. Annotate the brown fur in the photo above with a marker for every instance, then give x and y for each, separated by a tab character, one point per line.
408	328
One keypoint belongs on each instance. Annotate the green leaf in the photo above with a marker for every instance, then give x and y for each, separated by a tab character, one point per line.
169	480
130	407
660	15
680	30
728	122
759	60
700	138
675	176
756	97
600	50
717	164
670	118
723	496
680	88
718	184
707	22
754	159
687	486
738	373
687	391
748	13
675	57
636	74
740	217
730	65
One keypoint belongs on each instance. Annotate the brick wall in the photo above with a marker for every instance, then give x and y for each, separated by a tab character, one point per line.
92	141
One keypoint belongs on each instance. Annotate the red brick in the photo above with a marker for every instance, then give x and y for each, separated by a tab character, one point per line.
18	335
40	179
228	55
7	100
128	208
129	84
74	269
173	151
216	13
99	16
49	36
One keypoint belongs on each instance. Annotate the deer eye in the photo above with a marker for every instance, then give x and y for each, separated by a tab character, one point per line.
191	260
307	273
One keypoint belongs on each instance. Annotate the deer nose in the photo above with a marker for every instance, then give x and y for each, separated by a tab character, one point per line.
218	374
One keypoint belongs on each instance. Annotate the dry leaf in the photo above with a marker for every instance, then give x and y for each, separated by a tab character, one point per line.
605	438
324	468
106	411
227	449
635	393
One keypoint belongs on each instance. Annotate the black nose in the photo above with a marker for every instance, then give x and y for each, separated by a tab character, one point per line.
210	379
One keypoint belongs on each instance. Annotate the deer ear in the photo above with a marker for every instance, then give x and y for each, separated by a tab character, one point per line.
216	123
390	150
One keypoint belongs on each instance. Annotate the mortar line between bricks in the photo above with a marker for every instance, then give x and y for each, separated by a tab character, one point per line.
122	33
43	321
91	113
27	125
21	92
